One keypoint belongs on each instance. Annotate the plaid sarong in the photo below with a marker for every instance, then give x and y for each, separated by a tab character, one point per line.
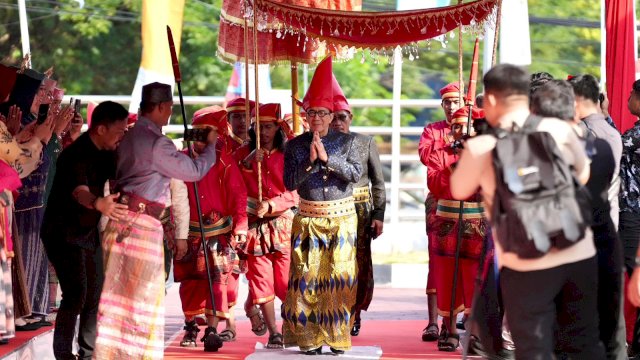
131	311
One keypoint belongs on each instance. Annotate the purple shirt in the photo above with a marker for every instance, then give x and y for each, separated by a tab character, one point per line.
147	160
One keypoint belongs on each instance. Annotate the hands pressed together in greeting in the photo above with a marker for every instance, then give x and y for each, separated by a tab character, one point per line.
317	150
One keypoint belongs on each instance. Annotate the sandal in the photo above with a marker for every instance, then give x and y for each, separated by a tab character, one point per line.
227	335
276	341
212	341
430	333
450	343
190	335
261	327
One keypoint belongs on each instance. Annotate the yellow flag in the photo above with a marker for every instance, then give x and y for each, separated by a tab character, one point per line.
156	59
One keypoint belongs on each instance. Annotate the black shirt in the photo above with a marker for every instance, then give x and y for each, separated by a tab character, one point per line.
64	218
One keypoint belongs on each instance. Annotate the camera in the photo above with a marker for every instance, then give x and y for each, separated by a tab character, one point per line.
43	112
197	134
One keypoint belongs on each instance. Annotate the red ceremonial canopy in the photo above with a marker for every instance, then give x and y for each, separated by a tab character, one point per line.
621	71
373	30
273	47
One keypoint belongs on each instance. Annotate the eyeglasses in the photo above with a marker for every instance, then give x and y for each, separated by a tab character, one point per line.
321	113
342	117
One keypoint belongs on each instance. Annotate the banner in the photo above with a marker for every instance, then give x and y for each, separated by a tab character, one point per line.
156	60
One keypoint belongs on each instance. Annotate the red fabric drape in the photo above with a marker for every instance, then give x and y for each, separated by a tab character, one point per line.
621	57
377	30
274	46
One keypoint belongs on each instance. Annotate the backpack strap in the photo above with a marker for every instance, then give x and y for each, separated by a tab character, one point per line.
532	122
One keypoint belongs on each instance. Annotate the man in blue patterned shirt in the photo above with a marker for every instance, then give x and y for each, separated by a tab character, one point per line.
630	205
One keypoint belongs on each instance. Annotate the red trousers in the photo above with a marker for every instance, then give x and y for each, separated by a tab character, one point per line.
268	276
196	300
443	276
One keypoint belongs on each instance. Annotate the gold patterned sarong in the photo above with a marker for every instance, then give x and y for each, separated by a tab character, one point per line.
323	277
131	310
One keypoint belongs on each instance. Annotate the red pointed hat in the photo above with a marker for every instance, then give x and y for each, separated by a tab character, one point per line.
450	90
320	92
239	105
339	100
461	115
269	112
214	119
8	75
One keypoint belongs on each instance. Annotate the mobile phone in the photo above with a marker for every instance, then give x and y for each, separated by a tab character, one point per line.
43	112
197	134
71	101
77	105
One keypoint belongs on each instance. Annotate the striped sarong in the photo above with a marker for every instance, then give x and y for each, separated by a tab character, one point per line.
131	311
322	280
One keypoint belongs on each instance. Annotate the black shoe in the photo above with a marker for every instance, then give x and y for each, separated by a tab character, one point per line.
355	330
212	341
29	326
460	325
336	351
317	351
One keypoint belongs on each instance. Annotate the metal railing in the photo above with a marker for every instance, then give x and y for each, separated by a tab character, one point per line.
394	187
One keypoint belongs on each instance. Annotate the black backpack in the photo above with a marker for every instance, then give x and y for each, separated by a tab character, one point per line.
538	203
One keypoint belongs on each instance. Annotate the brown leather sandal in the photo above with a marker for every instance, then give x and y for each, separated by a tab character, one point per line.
258	326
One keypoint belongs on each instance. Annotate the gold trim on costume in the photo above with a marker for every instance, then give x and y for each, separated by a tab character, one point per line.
264	300
451	209
450	95
361	195
327	209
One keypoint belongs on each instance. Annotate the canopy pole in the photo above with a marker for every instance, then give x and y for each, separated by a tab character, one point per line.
255	66
295	109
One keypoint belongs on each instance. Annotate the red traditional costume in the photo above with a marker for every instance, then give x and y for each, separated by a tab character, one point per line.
223	202
435	136
443	227
230	141
269	237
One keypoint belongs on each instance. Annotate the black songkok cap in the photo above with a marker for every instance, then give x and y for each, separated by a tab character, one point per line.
156	93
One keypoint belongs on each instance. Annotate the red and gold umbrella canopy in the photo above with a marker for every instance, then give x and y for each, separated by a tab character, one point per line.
274	45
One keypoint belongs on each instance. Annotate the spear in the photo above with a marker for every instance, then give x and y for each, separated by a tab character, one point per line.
471	94
215	342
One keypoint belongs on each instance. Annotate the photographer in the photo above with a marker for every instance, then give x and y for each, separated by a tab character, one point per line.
69	229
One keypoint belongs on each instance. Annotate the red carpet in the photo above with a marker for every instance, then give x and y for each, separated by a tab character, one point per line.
22	337
399	339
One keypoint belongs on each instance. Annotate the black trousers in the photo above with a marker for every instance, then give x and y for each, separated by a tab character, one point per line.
81	276
554	309
610	290
629	231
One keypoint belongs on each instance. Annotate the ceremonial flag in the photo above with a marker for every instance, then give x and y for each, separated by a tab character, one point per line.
156	60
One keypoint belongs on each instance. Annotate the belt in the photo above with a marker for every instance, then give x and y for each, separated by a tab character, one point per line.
361	195
141	205
327	209
451	209
222	226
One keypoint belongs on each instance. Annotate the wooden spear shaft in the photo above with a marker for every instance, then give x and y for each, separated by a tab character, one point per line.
295	109
255	66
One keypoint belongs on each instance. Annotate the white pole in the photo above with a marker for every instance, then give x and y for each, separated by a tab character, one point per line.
395	136
24	30
603	46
